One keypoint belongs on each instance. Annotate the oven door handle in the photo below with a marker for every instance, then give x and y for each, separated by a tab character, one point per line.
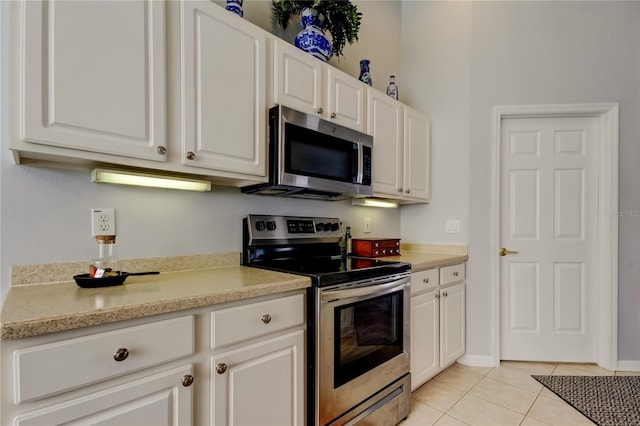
335	295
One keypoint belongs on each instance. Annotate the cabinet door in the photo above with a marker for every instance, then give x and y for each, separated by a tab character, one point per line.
384	122
93	76
261	383
417	155
160	399
425	338
223	90
297	79
452	323
345	99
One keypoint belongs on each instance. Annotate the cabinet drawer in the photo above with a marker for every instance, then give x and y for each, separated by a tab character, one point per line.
67	364
232	325
452	274
422	281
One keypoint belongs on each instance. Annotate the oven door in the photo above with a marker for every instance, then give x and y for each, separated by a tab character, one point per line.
363	342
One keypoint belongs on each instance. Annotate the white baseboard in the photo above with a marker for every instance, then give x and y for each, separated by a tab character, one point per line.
628	365
479	360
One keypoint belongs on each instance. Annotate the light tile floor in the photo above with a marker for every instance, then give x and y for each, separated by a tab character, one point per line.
506	395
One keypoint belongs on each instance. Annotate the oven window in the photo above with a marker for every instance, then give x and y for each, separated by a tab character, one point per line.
367	334
315	154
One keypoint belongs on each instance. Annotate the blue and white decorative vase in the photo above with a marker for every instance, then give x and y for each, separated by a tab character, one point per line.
235	6
312	39
365	73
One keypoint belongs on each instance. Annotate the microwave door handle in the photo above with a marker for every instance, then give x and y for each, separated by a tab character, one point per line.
360	165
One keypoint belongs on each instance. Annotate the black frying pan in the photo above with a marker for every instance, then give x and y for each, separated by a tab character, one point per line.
85	281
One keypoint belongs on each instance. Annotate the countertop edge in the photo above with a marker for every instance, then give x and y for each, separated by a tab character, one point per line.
11	330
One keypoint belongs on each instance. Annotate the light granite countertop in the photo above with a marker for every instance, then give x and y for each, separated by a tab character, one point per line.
34	307
427	256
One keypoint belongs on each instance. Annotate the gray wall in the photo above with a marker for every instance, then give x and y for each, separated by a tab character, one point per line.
45	213
522	53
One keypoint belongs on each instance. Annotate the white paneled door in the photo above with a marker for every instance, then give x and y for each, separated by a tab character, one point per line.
548	223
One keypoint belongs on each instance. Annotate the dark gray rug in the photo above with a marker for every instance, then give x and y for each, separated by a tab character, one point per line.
605	400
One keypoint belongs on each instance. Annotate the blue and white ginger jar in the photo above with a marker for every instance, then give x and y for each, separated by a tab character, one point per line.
312	39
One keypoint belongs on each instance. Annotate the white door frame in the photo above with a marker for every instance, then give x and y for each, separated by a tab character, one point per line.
606	219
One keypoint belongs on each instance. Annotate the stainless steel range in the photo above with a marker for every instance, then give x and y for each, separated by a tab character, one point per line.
357	319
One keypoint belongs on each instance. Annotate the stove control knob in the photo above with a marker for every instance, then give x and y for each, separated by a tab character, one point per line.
271	226
260	225
335	226
327	226
319	226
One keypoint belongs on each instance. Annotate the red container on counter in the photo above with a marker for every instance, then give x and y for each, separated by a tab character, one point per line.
375	247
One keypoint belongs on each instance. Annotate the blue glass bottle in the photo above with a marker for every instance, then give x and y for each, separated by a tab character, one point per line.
365	73
392	89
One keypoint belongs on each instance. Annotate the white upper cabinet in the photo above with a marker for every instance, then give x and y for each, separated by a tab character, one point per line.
401	149
306	84
417	155
223	90
345	99
93	76
384	122
297	79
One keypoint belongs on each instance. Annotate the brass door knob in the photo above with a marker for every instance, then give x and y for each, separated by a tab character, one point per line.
503	252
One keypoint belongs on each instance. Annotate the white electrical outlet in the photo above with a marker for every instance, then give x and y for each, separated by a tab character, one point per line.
452	226
367	225
103	222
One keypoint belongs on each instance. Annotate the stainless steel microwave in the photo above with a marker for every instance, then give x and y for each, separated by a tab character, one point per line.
313	158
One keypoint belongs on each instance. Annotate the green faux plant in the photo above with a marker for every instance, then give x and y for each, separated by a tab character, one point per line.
342	18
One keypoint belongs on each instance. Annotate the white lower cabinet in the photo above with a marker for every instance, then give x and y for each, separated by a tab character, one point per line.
425	338
242	363
159	399
257	371
261	383
452	324
437	321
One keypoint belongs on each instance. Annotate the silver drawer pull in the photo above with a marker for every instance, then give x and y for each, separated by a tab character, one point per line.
455	274
187	380
445	294
266	318
426	280
191	155
121	354
221	368
161	150
320	110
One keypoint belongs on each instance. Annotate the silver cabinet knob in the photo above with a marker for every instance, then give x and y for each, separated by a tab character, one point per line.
333	115
455	274
320	110
408	191
221	368
437	295
445	294
191	155
161	150
400	189
121	354
187	380
266	318
425	280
